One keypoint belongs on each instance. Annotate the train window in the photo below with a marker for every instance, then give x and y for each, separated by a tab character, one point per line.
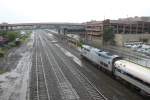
109	54
101	63
104	64
118	70
86	49
120	64
100	51
99	54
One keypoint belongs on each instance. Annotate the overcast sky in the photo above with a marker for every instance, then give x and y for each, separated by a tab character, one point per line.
20	11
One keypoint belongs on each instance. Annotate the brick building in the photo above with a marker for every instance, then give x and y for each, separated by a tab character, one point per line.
94	32
132	29
94	28
128	26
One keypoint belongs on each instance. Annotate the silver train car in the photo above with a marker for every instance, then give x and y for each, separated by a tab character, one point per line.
102	58
134	74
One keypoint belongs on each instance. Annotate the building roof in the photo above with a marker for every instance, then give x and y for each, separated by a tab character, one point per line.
129	20
144	18
94	23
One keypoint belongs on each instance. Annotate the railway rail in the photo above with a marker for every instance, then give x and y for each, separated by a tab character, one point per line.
91	89
39	87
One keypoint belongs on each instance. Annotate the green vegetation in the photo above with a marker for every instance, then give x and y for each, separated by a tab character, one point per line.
2	71
15	38
108	36
1	52
24	38
3	33
80	43
12	35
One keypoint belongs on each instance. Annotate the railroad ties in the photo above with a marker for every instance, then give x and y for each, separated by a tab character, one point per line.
38	89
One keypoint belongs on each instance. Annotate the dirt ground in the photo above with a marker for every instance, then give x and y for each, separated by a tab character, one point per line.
15	81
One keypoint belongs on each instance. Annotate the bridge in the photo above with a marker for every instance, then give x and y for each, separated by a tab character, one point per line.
60	27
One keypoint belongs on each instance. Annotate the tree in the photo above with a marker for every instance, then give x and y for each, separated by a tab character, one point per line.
12	35
3	33
108	36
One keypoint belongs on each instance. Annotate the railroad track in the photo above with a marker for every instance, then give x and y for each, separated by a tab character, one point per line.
39	87
91	89
67	92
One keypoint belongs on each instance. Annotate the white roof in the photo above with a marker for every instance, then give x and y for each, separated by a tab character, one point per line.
107	54
138	71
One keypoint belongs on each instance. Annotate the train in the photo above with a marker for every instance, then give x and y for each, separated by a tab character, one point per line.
134	74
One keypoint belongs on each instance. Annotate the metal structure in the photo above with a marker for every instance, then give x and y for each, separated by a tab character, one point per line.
22	26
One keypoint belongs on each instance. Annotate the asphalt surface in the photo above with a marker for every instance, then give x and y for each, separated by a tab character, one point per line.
59	73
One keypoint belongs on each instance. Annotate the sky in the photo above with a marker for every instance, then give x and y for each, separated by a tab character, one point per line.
25	11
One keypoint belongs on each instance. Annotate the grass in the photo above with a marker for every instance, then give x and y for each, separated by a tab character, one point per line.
11	44
2	71
2	52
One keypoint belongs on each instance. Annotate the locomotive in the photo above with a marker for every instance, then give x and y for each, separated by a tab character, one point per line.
132	73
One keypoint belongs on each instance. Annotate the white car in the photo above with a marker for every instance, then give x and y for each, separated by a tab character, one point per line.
146	46
128	45
134	47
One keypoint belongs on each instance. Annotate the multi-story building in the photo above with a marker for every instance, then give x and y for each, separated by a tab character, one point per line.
128	26
94	32
130	29
94	28
126	30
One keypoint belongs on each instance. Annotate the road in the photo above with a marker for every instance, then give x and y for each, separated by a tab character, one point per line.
59	73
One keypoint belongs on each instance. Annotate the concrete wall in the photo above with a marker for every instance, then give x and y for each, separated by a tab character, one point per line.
122	38
94	41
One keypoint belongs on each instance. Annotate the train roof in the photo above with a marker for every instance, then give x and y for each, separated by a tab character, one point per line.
92	48
108	54
134	69
101	52
86	46
134	65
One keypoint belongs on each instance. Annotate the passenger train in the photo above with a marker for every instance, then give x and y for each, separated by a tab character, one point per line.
130	72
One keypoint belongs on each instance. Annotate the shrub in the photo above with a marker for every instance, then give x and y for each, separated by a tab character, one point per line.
1	53
12	44
108	36
18	43
12	35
